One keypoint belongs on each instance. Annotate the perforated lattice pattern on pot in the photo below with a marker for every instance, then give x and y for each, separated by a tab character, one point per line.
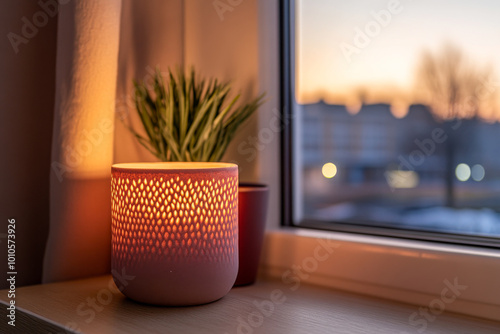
156	215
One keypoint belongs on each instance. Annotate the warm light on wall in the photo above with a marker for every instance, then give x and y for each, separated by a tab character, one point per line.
174	227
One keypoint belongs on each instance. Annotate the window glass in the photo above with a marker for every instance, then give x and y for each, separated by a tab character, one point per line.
398	114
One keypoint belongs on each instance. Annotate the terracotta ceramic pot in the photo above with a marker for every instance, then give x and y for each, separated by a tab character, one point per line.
175	231
252	211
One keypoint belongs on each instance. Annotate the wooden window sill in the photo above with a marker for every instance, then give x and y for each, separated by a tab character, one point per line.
64	307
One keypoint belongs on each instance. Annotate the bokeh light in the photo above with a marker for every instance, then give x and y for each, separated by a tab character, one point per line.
478	172
463	172
329	170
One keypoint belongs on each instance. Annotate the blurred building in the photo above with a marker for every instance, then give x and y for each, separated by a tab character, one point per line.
365	145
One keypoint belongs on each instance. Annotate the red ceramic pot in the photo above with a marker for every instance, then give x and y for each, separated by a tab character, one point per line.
252	211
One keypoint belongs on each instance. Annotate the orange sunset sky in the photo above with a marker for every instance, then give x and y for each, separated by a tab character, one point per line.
385	70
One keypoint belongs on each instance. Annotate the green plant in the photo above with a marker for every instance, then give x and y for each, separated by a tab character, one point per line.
188	119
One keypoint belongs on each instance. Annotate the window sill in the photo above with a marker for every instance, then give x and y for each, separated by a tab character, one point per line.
414	272
269	306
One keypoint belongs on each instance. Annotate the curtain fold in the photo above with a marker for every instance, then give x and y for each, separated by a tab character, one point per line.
82	144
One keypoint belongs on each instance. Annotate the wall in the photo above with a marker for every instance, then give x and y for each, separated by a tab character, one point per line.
270	124
234	40
238	40
225	45
151	36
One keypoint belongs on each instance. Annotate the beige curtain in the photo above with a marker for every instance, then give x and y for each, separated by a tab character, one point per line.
82	141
